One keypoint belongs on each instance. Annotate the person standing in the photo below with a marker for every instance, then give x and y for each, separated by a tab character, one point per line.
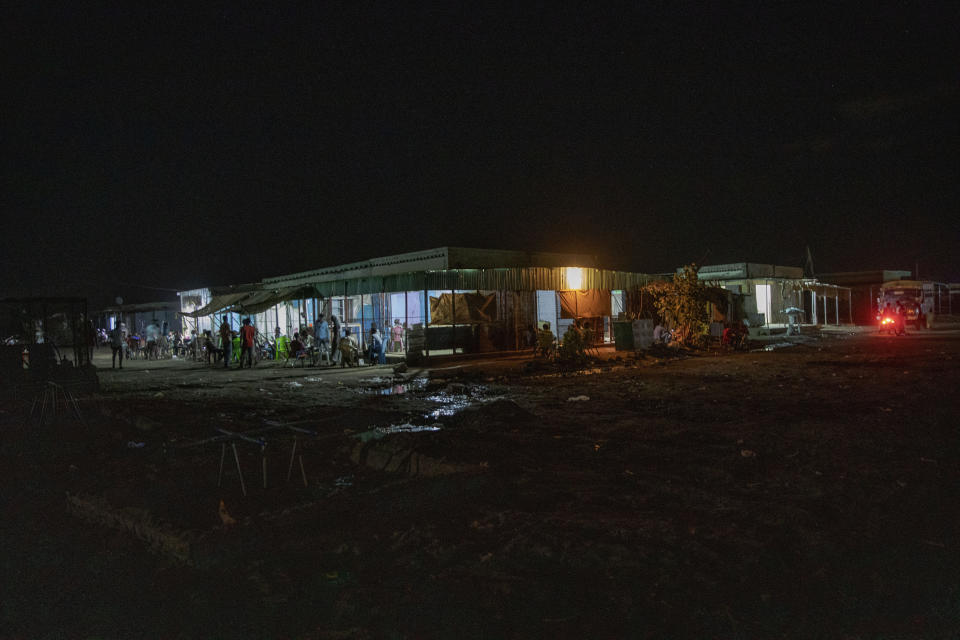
335	336
397	335
375	345
117	344
153	337
226	341
321	333
247	335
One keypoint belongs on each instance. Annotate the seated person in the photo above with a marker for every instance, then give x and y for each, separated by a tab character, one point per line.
133	346
734	335
348	348
545	339
661	335
297	348
210	348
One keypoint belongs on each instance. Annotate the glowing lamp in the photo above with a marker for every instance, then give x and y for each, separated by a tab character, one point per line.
574	278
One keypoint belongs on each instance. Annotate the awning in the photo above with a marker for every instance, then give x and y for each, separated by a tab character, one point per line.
252	301
257	301
216	303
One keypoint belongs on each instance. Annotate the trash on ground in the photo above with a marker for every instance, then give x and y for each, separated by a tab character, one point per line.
578	398
225	516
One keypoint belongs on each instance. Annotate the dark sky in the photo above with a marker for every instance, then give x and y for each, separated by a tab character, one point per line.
171	147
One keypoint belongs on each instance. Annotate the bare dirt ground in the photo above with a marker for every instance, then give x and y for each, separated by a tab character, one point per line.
803	492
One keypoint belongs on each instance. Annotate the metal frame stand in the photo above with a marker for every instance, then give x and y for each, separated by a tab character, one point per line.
293	454
236	457
49	399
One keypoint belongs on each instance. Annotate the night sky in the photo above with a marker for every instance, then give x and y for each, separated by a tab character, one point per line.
156	146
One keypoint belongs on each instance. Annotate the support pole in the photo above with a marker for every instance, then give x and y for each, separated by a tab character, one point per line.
293	452
223	455
236	457
426	319
263	462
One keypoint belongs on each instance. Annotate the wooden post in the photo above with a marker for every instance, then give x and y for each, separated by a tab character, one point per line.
426	318
556	315
453	313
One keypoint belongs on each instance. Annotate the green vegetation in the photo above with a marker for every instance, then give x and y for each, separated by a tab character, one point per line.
682	304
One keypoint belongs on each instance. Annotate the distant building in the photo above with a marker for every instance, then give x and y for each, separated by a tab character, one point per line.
864	290
766	291
138	316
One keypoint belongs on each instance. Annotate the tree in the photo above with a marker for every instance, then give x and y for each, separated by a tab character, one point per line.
682	304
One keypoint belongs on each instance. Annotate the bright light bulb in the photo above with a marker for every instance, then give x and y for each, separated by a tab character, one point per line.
574	278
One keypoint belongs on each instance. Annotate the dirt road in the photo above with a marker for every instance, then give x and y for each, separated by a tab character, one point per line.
806	491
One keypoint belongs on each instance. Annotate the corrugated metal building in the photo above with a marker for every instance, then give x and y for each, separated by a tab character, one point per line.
462	299
767	290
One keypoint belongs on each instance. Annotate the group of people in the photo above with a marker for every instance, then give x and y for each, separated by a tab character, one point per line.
152	343
379	343
327	338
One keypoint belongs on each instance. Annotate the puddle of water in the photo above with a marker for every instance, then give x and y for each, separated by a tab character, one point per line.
449	404
415	384
776	345
409	428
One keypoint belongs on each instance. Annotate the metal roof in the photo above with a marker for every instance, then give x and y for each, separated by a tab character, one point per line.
440	258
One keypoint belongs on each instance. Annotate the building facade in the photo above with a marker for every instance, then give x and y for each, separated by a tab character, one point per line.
449	299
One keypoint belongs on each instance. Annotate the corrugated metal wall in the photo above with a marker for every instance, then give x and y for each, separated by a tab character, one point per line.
513	279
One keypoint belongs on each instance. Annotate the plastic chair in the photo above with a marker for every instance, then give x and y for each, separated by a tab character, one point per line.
320	354
236	349
283	348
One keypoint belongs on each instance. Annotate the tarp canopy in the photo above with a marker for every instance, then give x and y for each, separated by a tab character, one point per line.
589	303
471	308
257	301
217	302
254	301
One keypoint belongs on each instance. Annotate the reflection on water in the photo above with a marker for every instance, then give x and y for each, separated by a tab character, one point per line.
409	428
449	404
414	384
455	398
776	345
380	432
